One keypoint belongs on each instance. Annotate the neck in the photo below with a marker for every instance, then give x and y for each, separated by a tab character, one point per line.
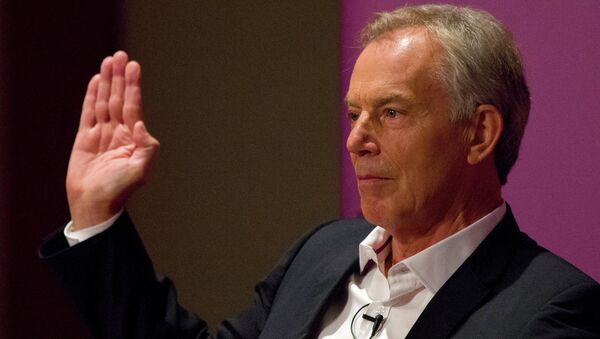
438	223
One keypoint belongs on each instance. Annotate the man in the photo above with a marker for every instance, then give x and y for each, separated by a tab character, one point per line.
438	105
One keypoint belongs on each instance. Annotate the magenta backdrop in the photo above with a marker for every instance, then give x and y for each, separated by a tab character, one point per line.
554	189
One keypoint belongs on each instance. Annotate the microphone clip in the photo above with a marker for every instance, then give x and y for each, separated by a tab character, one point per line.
376	320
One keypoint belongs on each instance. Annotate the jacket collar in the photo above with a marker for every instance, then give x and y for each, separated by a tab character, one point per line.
470	284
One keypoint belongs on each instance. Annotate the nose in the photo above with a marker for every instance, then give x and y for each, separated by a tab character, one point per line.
361	140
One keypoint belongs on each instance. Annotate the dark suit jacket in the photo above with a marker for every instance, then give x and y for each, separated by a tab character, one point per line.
508	288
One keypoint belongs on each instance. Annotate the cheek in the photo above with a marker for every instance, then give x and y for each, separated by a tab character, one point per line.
438	168
396	154
420	163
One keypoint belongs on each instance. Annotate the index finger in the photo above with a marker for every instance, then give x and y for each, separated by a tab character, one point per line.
88	117
132	106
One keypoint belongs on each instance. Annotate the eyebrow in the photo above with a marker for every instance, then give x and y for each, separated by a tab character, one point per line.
380	101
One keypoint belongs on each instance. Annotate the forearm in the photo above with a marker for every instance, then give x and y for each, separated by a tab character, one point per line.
113	283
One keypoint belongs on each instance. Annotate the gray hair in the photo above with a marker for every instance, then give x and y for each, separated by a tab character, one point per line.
481	65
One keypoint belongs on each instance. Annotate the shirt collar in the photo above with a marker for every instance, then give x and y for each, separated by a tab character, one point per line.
435	264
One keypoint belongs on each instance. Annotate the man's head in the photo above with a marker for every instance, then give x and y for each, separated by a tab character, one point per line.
480	65
438	101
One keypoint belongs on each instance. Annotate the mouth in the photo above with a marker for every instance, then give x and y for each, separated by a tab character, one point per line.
371	177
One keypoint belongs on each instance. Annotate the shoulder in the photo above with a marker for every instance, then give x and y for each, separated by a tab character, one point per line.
540	291
325	239
341	231
329	237
511	256
563	299
547	269
531	292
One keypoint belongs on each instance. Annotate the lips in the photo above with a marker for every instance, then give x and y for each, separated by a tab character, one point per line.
373	177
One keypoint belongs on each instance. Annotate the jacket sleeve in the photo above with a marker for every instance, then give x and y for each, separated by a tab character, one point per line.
113	283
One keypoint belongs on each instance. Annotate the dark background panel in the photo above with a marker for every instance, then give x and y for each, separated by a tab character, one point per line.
48	50
243	97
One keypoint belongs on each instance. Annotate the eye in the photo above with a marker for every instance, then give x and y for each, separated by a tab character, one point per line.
391	113
352	116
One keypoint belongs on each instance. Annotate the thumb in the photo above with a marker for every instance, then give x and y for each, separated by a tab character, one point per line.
146	145
141	136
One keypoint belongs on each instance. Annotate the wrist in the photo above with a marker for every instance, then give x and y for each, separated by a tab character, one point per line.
88	215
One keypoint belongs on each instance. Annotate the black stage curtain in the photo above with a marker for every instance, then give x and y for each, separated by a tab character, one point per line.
48	50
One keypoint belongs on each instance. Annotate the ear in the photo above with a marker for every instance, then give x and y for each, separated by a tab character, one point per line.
485	130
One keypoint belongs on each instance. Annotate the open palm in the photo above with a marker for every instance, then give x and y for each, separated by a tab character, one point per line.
113	151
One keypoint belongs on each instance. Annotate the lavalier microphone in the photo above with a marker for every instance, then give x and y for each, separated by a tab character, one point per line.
377	320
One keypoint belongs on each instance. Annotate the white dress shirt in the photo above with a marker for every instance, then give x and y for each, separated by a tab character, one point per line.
400	298
409	286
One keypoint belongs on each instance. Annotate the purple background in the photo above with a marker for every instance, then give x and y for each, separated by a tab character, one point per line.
554	189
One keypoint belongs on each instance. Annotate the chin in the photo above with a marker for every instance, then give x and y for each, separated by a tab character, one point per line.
375	212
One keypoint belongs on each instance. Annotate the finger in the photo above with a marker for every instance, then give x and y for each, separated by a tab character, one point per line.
88	118
101	107
115	102
132	107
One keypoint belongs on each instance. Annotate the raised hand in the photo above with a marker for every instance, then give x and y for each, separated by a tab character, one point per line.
113	151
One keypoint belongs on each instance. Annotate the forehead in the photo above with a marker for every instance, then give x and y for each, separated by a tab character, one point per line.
400	63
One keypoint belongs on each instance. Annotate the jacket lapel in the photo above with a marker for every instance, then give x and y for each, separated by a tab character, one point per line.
468	287
317	275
